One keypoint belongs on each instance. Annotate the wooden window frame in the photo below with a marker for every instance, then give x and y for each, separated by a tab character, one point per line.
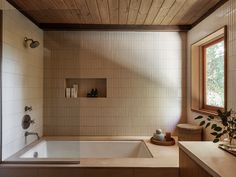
204	47
197	74
1	45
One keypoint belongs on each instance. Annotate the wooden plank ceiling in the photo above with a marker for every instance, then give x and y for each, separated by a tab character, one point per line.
115	12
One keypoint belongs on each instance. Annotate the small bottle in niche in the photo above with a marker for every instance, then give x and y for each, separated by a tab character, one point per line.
72	92
96	92
93	93
76	88
68	92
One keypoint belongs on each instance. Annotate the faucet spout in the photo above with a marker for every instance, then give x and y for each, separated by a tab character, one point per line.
31	133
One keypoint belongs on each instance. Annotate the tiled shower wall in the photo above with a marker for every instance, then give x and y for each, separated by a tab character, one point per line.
22	79
146	82
225	15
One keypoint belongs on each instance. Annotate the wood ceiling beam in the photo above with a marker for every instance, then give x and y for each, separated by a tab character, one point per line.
108	27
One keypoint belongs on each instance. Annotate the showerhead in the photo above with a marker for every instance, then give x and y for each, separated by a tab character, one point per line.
33	44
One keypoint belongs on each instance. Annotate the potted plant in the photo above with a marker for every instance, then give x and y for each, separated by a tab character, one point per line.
222	124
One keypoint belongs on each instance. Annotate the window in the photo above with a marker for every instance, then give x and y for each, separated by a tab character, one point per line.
213	73
208	73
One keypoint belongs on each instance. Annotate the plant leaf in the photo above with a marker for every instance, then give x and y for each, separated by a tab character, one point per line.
225	131
202	123
216	140
219	135
228	113
208	124
219	112
225	123
213	126
218	129
214	133
198	117
211	116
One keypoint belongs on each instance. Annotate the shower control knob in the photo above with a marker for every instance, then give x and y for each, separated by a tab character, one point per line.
27	121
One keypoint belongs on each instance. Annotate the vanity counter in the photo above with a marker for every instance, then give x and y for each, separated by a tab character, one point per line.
213	160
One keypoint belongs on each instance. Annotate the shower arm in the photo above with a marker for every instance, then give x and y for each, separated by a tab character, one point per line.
28	39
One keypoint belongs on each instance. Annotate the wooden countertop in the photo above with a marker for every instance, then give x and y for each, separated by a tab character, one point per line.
163	156
214	160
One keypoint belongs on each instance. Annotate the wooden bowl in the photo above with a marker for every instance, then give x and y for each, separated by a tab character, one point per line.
163	143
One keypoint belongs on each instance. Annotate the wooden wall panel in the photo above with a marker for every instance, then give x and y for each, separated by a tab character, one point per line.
185	11
104	11
153	11
133	11
115	12
189	168
83	8
61	9
143	11
35	10
93	8
201	11
178	5
167	5
75	12
123	11
200	4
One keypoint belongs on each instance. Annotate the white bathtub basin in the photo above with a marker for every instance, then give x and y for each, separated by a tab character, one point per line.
88	149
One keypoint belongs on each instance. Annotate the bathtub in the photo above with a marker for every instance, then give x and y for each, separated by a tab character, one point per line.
94	156
88	149
71	151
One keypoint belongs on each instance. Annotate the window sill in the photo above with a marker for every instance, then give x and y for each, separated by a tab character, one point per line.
205	111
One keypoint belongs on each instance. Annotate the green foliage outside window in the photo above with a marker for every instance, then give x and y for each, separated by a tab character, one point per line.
215	75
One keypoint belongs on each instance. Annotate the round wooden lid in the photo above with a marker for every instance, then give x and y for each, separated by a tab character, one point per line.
189	127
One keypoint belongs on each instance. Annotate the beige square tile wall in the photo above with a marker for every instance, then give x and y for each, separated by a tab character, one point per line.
146	82
225	15
22	79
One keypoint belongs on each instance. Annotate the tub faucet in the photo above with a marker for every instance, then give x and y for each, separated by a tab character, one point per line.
31	133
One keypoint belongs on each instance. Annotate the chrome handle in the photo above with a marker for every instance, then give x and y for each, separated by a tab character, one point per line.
27	121
32	121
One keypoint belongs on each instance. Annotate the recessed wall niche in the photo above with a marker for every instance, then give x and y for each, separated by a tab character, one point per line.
86	86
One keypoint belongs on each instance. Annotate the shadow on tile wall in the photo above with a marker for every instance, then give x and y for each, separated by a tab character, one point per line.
146	82
225	15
